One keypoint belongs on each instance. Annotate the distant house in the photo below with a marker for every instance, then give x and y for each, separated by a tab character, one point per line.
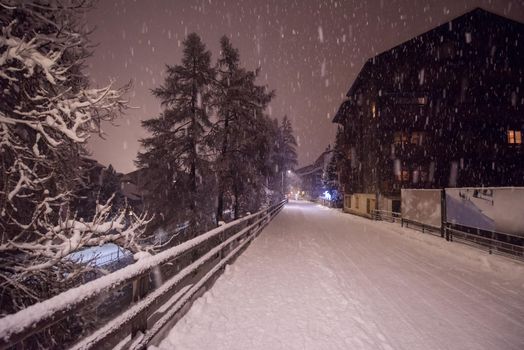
99	182
311	175
89	183
131	188
444	109
92	171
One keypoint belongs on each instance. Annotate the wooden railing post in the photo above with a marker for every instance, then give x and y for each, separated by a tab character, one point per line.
443	214
140	290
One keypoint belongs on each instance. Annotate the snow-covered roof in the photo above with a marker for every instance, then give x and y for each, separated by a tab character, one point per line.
476	18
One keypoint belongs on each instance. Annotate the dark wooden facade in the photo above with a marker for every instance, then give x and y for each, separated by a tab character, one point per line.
444	109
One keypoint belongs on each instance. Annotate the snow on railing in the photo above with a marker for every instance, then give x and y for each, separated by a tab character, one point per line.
222	243
386	215
490	241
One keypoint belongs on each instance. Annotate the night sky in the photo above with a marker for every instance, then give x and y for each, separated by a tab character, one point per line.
309	52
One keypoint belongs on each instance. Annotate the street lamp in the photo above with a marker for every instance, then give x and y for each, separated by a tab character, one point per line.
283	184
289	173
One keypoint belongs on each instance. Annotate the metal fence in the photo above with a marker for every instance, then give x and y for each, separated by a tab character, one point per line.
386	215
420	226
493	242
392	216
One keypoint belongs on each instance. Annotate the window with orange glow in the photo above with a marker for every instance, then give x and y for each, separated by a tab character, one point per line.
514	137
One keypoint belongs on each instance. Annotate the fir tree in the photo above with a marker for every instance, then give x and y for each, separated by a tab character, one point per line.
111	187
237	134
175	160
331	175
285	151
98	185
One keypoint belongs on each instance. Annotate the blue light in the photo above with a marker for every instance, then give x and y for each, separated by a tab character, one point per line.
327	195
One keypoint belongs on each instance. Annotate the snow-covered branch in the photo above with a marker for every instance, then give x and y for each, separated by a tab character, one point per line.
47	113
25	57
71	235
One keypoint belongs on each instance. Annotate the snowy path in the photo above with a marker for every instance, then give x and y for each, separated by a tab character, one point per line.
320	279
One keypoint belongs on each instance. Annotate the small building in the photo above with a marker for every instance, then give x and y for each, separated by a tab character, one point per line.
444	109
131	189
92	171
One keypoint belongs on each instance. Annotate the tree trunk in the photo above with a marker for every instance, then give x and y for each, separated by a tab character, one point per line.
220	204
236	205
192	171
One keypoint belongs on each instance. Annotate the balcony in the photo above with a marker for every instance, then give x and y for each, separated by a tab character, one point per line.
409	151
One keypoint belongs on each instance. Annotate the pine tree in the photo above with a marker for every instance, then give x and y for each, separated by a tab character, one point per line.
285	152
330	177
261	150
236	135
175	158
111	187
228	71
97	185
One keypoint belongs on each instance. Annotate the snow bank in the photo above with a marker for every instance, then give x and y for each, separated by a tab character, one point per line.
99	256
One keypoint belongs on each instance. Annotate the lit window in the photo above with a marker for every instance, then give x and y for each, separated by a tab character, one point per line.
417	137
423	176
415	177
397	138
400	138
514	137
373	110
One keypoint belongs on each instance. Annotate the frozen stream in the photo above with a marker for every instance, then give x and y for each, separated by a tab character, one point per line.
317	278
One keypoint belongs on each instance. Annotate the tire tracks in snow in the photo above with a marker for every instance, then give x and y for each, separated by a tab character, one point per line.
416	262
364	284
471	274
466	310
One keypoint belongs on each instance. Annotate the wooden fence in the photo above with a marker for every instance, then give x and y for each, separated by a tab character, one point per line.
163	287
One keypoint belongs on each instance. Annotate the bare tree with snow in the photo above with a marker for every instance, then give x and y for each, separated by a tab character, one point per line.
47	113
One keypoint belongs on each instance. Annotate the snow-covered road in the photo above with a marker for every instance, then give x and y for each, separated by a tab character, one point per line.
317	278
